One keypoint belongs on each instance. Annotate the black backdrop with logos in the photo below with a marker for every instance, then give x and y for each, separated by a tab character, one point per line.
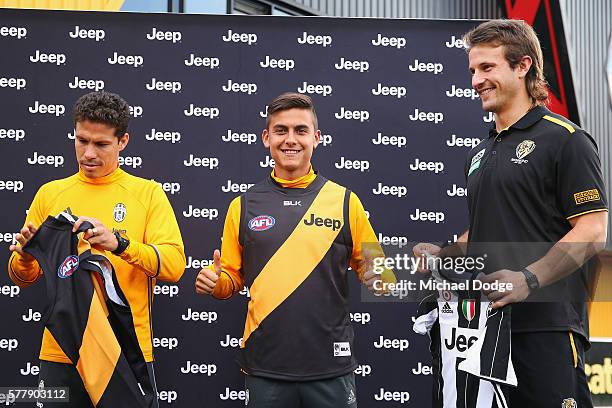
397	116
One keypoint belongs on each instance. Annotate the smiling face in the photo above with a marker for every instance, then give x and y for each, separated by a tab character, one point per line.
499	86
291	138
97	148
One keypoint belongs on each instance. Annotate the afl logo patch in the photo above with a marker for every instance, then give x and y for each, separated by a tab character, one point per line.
119	212
67	268
261	223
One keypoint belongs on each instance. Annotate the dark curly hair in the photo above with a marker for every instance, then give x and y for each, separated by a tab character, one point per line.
103	107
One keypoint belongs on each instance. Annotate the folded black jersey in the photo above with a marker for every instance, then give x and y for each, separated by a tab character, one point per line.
89	316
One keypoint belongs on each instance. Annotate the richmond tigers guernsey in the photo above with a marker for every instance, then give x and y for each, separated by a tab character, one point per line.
89	316
291	242
123	202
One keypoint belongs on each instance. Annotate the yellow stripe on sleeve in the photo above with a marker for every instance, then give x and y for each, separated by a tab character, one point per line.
559	122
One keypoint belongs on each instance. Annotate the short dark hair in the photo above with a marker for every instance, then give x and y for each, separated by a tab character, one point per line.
103	107
292	100
518	40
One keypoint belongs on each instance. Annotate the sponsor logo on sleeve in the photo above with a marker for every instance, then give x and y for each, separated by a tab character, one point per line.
587	196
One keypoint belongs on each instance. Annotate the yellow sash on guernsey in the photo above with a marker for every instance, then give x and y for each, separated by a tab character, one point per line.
282	275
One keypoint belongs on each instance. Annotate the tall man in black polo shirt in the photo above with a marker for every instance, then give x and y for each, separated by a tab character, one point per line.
537	206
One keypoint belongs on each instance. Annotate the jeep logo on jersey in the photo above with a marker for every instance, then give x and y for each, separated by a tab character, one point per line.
119	212
468	307
67	268
324	222
261	223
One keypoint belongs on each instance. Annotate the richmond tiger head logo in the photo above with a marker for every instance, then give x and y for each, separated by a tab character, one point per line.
569	403
524	148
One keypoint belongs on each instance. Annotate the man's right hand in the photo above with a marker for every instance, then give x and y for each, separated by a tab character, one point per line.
23	237
421	251
207	279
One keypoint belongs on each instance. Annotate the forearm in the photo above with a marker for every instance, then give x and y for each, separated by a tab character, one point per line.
569	254
165	261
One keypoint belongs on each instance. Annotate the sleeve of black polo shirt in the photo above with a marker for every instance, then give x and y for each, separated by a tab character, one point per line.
580	186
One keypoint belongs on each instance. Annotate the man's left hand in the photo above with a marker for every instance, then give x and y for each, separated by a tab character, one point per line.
517	292
99	236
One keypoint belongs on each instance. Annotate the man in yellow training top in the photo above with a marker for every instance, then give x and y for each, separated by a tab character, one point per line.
290	238
133	222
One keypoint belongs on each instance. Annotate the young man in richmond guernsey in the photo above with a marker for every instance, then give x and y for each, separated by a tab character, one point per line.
290	239
535	186
134	223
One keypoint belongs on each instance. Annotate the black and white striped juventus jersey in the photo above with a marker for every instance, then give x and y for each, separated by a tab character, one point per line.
470	346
